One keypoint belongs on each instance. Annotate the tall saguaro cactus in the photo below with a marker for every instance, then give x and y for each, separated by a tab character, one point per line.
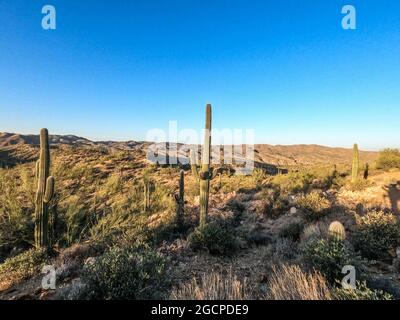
354	171
206	173
45	192
180	198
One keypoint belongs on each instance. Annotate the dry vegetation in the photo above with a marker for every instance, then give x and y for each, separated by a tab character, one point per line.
268	237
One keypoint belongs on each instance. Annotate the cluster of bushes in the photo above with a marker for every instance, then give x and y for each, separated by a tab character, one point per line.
135	272
314	205
388	159
378	233
20	267
328	256
214	237
293	182
361	292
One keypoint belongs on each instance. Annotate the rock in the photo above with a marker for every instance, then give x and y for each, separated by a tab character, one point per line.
90	261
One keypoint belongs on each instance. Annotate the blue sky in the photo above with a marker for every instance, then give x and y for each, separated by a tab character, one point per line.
287	69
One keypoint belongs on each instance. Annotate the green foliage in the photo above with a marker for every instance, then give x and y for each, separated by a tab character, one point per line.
328	256
293	182
21	267
16	210
388	159
135	272
292	231
274	203
314	205
377	233
358	185
361	292
215	238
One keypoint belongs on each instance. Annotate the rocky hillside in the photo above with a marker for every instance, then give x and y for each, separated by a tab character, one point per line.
277	155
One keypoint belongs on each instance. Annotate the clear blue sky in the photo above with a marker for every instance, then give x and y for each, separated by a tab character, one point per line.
115	69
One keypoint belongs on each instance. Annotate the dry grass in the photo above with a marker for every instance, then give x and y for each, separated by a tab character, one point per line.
213	286
291	283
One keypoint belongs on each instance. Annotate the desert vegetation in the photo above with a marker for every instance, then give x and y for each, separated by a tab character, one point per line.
115	226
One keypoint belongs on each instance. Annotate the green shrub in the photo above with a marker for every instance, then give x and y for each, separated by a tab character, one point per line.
292	231
362	292
377	233
328	256
21	267
314	205
293	182
358	185
274	203
135	272
215	238
388	159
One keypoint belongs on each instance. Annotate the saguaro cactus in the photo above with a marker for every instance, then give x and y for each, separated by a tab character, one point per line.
148	189
206	173
354	171
45	192
366	171
180	199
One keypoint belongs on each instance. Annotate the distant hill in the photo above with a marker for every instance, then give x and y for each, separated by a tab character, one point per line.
280	155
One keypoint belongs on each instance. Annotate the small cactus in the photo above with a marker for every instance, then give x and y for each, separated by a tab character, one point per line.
206	174
366	171
180	199
44	192
354	171
336	231
148	189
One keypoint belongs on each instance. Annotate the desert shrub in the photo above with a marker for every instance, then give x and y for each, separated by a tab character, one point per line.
273	203
113	184
259	175
213	286
293	182
236	205
76	220
283	249
358	185
388	159
291	283
328	256
161	199
314	205
377	233
361	292
119	225
16	223
21	267
214	237
135	272
292	231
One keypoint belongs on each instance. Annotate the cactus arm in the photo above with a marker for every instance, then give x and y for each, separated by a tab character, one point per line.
355	166
49	193
37	170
